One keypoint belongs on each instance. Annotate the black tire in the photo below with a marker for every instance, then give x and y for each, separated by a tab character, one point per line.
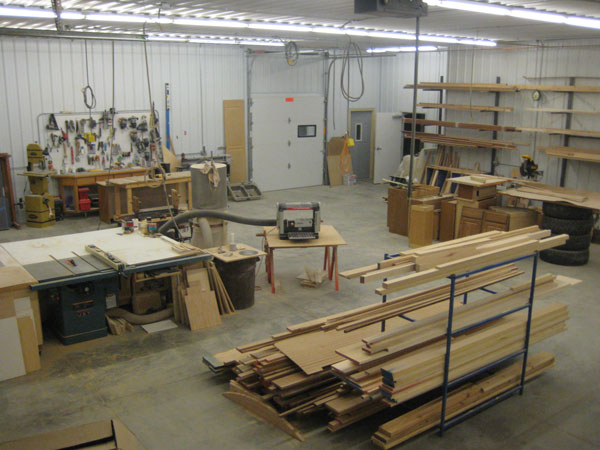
565	257
567	226
577	242
566	212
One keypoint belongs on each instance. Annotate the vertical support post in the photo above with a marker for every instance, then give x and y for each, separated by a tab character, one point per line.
441	102
528	326
495	133
448	348
168	114
413	133
566	138
384	298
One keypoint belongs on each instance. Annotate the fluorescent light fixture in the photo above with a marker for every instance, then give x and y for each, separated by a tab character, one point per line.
537	15
477	42
27	13
355	32
583	22
117	18
279	27
159	20
211	23
390	35
71	15
520	13
212	41
442	39
264	43
329	30
167	39
422	48
474	7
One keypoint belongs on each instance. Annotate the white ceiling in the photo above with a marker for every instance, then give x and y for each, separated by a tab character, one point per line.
335	12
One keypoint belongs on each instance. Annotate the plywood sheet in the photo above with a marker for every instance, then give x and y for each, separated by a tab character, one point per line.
11	354
12	275
29	347
235	138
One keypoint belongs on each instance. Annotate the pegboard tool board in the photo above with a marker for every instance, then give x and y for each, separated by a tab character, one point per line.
88	143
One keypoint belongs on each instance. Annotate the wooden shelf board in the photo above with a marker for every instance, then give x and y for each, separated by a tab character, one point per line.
561	131
563	111
466	107
578	154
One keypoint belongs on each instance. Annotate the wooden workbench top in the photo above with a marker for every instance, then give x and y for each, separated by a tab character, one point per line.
100	173
328	236
12	275
178	176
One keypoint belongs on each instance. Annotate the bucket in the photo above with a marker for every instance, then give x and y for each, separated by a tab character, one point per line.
204	194
238	278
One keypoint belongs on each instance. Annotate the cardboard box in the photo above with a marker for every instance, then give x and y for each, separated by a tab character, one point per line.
105	435
334	152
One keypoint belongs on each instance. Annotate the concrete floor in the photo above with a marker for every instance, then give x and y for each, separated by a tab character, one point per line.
157	385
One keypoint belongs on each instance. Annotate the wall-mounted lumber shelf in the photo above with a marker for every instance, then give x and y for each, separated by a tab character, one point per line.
564	132
578	154
480	87
466	107
469	126
463	142
563	111
558	88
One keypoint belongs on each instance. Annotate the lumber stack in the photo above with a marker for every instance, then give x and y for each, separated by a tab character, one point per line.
466	107
578	154
345	365
463	141
460	400
465	125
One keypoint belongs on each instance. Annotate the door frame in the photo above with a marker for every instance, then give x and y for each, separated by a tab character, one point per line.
372	139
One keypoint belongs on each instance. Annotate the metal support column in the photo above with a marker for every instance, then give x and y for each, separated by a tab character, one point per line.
495	133
413	133
567	138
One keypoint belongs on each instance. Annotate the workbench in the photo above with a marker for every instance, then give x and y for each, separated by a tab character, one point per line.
116	196
73	181
329	238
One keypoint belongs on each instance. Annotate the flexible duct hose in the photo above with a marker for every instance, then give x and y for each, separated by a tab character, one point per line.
181	218
140	319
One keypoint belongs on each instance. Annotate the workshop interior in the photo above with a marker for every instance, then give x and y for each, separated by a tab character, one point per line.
427	170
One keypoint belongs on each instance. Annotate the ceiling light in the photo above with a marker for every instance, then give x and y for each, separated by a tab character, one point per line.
116	18
71	15
537	15
167	38
279	27
211	23
422	48
474	7
583	22
27	13
212	41
477	42
389	35
442	39
329	30
265	43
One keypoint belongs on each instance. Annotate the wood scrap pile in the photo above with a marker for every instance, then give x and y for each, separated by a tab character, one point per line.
200	298
455	141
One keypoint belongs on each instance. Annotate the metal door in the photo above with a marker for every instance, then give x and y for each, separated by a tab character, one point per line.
360	131
287	141
388	145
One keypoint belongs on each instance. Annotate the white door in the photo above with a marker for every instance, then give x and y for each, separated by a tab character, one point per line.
287	141
388	145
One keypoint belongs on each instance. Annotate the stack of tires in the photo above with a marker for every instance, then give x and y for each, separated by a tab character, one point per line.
578	224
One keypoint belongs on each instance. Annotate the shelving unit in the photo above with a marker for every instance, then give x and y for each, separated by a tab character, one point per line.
450	334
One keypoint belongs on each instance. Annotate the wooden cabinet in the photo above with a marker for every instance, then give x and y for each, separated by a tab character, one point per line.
447	220
471	222
495	221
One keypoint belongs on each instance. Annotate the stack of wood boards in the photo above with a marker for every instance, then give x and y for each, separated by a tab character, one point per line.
454	141
460	400
201	299
345	365
436	261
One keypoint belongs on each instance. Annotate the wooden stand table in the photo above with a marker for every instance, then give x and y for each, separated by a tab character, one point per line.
82	179
328	238
116	196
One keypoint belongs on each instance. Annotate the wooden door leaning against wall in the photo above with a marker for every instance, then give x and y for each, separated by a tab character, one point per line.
235	139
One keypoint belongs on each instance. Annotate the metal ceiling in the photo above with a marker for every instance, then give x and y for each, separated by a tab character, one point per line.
331	12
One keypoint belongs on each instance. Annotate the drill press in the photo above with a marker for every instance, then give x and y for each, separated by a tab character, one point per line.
39	205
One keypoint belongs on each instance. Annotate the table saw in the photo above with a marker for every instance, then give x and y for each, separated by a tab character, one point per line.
77	288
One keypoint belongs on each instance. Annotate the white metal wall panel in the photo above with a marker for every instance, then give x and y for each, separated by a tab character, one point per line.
551	64
47	75
271	74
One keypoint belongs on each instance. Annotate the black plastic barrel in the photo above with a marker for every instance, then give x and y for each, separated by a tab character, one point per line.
238	278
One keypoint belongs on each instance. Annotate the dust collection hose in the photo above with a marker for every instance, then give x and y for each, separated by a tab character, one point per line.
184	217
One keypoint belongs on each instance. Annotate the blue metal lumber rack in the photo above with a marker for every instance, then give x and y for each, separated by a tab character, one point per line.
450	333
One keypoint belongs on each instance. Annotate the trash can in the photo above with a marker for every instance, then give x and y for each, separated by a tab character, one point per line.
238	278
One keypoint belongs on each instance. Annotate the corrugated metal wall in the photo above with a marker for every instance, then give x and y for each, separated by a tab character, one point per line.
47	75
551	63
